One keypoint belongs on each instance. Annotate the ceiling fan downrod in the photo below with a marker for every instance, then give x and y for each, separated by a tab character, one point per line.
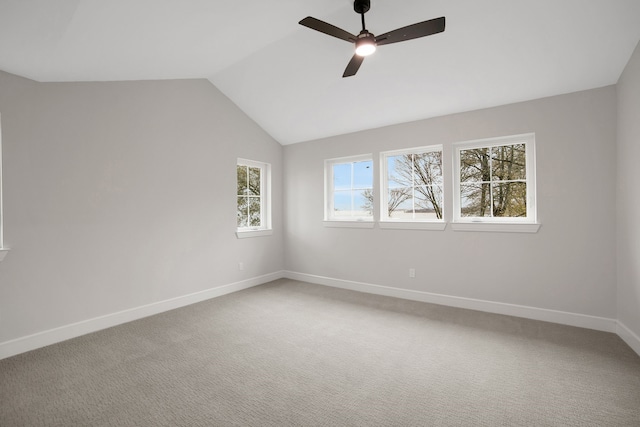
362	7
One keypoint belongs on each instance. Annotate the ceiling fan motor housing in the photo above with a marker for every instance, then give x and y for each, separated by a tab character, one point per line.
361	6
365	37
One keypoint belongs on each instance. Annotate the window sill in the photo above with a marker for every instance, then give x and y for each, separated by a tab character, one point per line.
349	224
3	253
414	225
253	233
514	227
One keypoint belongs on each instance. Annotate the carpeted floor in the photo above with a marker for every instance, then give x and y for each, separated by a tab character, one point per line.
293	354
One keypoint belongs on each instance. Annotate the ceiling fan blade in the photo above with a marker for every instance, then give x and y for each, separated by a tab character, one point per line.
421	29
353	66
332	30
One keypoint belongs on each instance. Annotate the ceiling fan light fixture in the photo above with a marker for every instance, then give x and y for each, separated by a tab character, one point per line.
366	44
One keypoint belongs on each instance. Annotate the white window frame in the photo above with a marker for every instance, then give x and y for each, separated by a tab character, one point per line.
330	220
398	223
506	224
265	228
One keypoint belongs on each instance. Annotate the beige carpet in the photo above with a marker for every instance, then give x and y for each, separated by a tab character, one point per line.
293	354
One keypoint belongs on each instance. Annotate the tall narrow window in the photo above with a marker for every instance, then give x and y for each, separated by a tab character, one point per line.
412	185
495	180
253	183
349	189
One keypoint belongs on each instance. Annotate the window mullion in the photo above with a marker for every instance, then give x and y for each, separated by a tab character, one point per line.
413	186
351	189
491	181
260	198
248	199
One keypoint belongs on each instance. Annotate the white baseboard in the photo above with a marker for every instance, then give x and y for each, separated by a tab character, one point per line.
629	337
554	316
52	336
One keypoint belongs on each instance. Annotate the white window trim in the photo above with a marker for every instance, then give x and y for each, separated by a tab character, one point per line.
496	227
501	224
265	208
342	222
3	250
244	234
349	224
435	225
413	224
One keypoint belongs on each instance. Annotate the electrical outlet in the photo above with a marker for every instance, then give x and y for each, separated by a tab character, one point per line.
240	266
412	272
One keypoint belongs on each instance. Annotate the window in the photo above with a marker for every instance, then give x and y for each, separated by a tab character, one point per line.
349	189
494	181
253	198
412	186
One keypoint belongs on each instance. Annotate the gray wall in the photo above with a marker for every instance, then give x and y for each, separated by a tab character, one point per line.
629	195
569	265
119	195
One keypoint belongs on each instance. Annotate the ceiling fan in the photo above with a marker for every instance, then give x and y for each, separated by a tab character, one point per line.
366	42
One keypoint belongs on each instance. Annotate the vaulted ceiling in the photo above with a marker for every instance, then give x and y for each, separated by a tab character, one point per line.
288	78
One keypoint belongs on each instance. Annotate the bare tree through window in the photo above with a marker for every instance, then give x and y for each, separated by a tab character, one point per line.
413	185
249	197
493	181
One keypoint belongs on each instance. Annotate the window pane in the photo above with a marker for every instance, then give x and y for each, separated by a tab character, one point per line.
368	201
360	203
254	181
342	176
254	211
510	199
399	171
428	168
363	174
474	165
242	214
475	200
424	210
396	198
428	202
404	210
342	203
242	179
508	162
356	203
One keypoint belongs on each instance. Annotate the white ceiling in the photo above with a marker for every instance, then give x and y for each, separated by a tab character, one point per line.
288	77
